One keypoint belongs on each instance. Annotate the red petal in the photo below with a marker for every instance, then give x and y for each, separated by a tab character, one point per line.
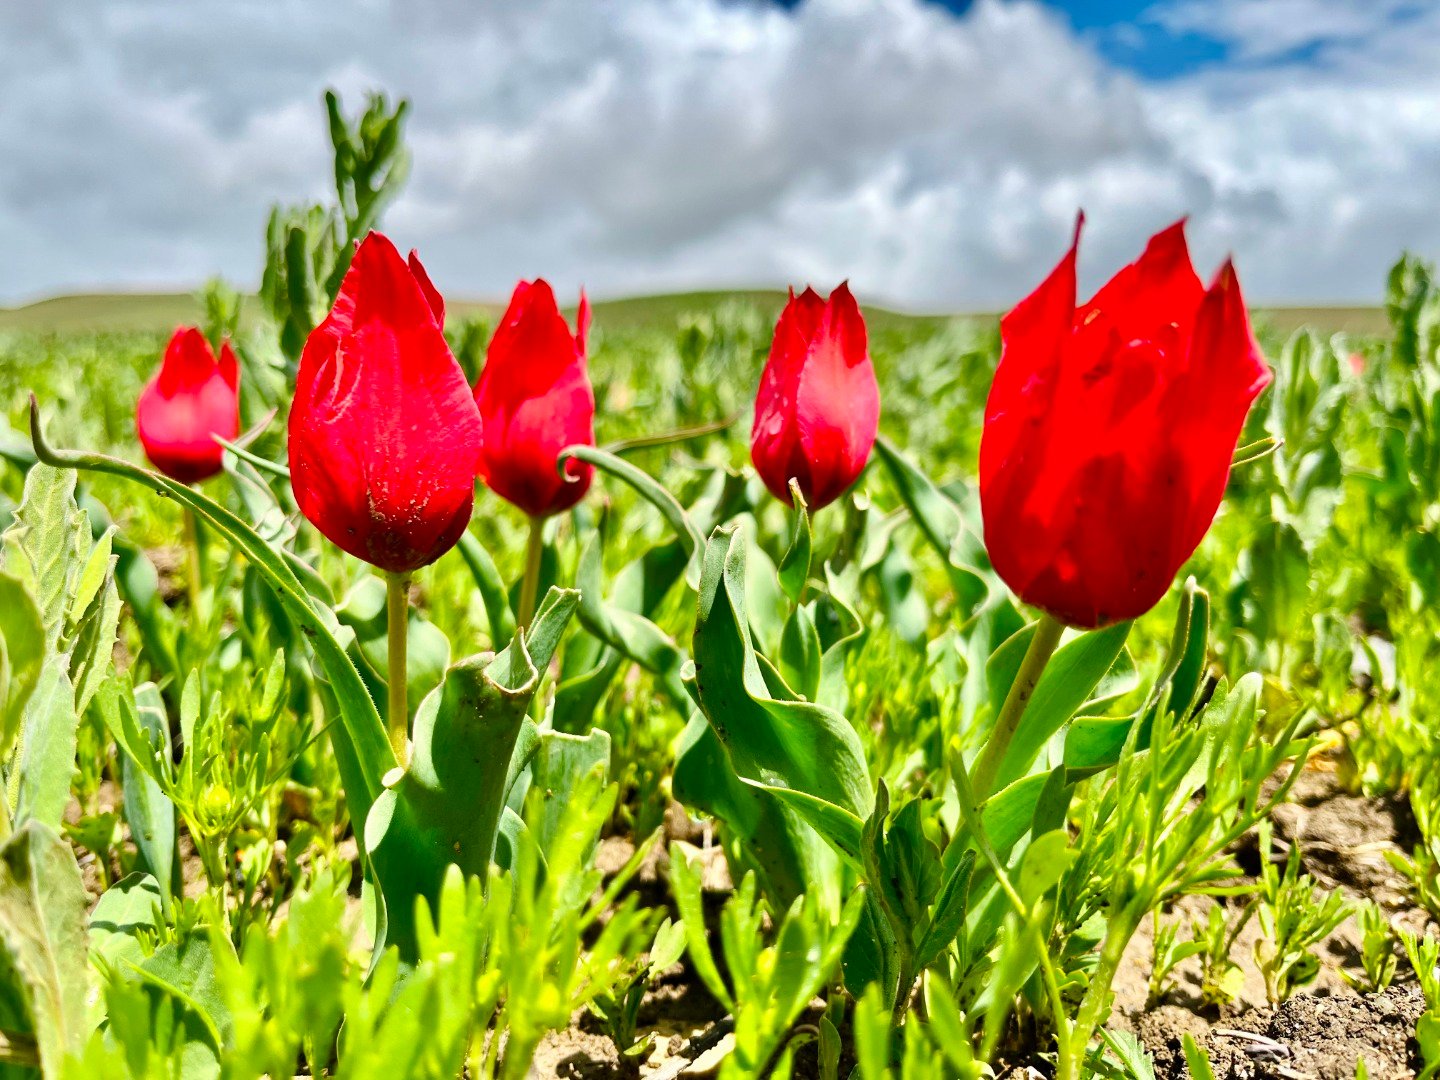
229	367
582	323
432	294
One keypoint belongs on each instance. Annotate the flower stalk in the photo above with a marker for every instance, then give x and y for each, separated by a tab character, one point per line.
530	583
1047	636
397	615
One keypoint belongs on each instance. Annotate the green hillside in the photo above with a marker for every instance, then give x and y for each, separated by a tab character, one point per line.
90	312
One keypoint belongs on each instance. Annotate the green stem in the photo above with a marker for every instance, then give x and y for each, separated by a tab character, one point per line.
192	559
1096	1005
397	614
1042	646
530	584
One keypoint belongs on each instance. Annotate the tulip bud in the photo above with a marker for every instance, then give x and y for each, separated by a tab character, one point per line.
192	398
818	408
384	435
1109	431
535	399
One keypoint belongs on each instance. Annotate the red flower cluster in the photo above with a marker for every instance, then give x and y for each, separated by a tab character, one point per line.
1109	431
191	399
386	437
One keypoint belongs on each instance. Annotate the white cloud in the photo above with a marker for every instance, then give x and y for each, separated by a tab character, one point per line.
935	161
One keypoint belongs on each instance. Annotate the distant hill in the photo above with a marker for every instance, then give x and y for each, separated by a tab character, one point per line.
159	312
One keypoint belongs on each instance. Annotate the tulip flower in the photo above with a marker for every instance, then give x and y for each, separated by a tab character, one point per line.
1109	431
384	435
191	399
818	408
535	399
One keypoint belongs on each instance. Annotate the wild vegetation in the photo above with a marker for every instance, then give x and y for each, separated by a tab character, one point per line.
674	775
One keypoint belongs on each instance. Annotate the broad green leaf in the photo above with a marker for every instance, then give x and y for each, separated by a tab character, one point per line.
560	763
129	908
771	839
48	540
185	974
22	638
799	659
624	628
836	824
792	744
43	938
446	807
47	749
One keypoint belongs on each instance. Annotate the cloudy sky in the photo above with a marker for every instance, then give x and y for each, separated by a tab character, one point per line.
933	153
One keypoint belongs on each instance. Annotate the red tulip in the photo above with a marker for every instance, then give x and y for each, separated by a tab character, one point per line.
190	399
1109	431
818	408
383	433
535	399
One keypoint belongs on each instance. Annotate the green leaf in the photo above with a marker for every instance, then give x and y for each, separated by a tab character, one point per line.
560	764
792	744
446	807
1044	864
685	885
947	918
1070	679
47	750
1196	1059
43	938
942	524
772	839
185	974
795	566
127	910
626	630
148	810
49	538
836	824
491	585
22	653
648	488
799	660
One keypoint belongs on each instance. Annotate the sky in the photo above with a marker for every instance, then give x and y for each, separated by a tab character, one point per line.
934	154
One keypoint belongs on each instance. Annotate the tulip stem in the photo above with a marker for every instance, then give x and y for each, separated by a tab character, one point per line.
192	559
530	584
397	612
987	766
